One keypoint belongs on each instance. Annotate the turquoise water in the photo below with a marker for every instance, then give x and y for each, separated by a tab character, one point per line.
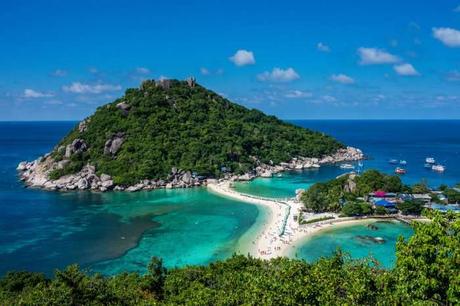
110	232
106	232
285	185
352	240
194	227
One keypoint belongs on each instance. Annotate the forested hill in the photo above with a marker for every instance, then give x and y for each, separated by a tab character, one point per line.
170	123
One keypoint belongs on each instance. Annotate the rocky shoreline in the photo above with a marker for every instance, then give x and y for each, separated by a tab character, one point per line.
36	174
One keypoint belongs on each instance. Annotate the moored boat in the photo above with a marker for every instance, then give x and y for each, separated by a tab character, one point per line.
347	166
430	160
428	166
438	168
399	170
403	162
393	161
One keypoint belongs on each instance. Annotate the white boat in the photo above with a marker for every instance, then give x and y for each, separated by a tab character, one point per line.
430	160
399	170
438	168
347	166
403	162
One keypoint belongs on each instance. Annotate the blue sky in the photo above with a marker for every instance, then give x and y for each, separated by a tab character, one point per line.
59	60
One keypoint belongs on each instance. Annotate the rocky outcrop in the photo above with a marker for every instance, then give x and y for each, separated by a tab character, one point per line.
164	83
83	125
77	146
191	82
350	185
300	163
124	107
113	144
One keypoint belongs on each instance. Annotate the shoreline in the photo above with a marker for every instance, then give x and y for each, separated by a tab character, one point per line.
280	234
35	174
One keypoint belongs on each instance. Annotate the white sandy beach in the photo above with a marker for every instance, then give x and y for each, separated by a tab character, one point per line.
281	233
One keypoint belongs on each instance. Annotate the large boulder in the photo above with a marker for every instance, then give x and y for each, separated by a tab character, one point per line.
62	164
107	184
22	166
77	146
83	125
112	145
105	177
82	184
124	107
187	178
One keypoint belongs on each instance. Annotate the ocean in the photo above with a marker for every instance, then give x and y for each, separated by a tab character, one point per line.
112	232
380	140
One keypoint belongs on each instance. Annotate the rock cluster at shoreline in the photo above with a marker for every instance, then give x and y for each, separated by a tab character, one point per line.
301	163
36	173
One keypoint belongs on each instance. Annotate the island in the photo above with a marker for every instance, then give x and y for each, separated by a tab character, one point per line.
177	134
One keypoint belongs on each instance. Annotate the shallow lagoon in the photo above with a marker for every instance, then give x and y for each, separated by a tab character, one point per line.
357	241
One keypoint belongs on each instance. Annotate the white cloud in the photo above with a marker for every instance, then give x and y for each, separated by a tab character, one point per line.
342	78
279	75
32	94
142	70
405	70
323	47
204	71
82	88
328	99
373	56
448	36
297	94
59	73
453	76
243	58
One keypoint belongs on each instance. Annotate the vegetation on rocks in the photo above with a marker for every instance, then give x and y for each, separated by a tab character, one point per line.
426	273
170	123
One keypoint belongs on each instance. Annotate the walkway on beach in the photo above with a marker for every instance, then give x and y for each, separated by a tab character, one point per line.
281	231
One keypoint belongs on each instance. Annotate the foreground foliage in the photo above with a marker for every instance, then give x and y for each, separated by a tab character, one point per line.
190	128
427	272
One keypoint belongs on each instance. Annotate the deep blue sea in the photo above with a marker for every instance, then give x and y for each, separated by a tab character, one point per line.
381	140
112	232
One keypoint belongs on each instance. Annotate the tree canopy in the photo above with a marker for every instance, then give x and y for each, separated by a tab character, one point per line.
328	196
173	124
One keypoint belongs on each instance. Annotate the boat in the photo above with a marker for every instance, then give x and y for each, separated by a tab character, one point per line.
438	168
430	160
403	162
428	166
347	166
399	170
393	161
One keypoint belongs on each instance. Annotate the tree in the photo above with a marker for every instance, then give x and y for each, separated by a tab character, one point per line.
427	267
315	199
155	279
356	209
421	187
452	195
411	207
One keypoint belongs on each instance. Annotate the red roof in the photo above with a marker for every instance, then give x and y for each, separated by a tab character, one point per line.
380	193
